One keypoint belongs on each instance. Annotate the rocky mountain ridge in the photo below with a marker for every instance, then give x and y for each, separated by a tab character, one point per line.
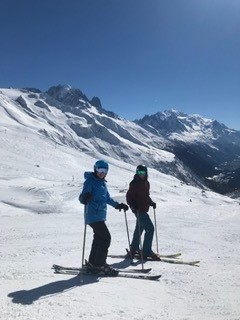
196	150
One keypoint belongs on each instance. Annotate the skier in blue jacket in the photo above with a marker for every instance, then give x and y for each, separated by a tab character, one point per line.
95	197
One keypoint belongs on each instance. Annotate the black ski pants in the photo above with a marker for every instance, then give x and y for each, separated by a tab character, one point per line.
101	243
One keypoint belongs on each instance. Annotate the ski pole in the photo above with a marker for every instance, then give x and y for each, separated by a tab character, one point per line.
140	238
155	222
125	214
84	240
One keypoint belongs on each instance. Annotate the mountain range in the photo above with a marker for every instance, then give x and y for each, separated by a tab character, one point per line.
196	150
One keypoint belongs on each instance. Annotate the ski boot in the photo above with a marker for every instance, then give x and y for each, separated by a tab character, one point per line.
153	256
132	253
103	270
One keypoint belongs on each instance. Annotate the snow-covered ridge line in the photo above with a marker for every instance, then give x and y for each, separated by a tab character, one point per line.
92	131
194	149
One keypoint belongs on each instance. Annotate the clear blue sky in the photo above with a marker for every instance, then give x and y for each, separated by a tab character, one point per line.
138	56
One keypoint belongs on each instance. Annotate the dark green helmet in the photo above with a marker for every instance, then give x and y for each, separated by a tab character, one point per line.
142	169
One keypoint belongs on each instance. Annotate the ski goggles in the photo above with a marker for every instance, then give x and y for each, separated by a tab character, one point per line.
102	170
141	172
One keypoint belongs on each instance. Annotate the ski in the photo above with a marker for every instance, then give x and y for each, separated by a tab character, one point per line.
58	267
119	275
174	255
171	256
189	263
124	256
166	260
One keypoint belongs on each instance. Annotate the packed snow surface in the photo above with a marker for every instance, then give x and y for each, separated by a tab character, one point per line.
42	224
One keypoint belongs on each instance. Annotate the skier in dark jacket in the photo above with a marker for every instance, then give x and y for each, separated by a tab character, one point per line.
138	198
95	197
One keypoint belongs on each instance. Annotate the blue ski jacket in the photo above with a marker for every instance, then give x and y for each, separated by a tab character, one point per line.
96	209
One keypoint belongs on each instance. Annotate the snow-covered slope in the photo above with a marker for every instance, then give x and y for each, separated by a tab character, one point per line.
89	129
192	148
42	223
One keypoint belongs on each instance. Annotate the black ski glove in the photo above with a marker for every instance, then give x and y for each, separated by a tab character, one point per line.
86	198
121	206
153	204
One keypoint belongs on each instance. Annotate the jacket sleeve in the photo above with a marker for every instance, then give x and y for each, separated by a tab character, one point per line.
131	195
87	187
150	199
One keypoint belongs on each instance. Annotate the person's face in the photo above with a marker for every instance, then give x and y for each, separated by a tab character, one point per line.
141	174
101	173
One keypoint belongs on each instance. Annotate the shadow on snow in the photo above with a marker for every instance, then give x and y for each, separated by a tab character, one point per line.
27	297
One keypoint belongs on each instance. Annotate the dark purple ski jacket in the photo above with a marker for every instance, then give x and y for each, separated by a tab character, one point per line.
137	196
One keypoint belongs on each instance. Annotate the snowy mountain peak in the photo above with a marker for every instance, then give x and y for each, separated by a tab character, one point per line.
180	126
172	113
67	95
